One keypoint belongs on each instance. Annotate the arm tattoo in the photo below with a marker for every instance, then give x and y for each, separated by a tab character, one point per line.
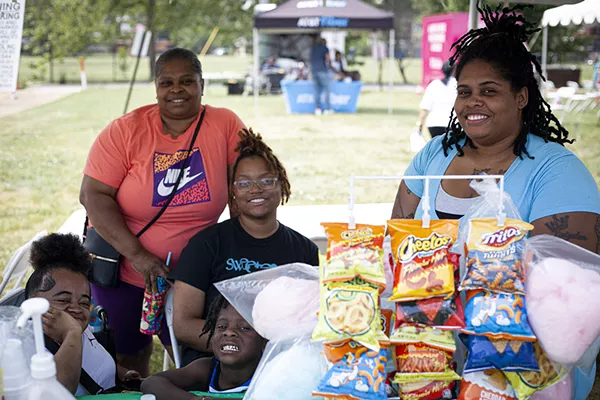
597	231
559	227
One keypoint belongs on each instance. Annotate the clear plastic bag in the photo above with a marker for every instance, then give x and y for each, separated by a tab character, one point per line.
288	370
563	282
487	205
280	303
417	141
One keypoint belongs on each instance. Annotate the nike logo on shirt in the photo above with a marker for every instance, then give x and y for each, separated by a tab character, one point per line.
167	183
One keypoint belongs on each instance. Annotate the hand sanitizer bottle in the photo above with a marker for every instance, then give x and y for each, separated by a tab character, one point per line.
44	385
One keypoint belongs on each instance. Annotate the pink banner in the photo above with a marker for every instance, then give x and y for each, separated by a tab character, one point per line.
439	32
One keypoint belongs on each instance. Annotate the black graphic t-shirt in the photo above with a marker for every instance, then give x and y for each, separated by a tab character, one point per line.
226	250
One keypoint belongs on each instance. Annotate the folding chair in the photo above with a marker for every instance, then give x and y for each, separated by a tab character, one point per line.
321	243
18	265
174	344
563	101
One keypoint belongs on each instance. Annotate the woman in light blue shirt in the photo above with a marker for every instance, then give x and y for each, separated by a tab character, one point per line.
502	125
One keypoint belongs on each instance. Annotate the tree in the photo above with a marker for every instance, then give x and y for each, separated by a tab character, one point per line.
188	22
61	28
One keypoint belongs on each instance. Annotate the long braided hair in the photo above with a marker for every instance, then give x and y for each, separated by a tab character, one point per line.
500	44
252	145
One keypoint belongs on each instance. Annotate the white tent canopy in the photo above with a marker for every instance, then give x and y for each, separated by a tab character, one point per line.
588	12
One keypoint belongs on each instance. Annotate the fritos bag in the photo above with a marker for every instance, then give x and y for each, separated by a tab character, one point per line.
495	256
354	253
422	267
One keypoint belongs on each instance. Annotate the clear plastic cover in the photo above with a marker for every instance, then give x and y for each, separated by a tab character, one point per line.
280	303
288	370
563	282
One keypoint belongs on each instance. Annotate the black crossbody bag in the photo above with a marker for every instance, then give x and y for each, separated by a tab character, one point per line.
105	258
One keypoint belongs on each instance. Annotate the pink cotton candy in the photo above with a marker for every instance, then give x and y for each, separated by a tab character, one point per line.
286	308
563	306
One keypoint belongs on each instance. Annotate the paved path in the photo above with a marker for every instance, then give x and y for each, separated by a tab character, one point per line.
34	96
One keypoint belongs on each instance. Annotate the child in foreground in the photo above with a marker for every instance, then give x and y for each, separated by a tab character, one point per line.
237	350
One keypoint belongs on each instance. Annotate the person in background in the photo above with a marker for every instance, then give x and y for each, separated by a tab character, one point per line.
269	64
438	100
131	171
236	348
320	64
60	266
338	66
253	241
503	126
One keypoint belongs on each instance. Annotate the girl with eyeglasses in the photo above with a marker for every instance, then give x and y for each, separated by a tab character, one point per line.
253	241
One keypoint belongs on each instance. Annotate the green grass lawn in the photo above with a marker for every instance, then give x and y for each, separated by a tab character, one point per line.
43	150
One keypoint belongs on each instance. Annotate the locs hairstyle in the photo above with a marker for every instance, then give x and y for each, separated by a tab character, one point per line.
252	145
500	44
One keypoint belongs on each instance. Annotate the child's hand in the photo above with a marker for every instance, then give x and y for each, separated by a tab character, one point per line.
131	375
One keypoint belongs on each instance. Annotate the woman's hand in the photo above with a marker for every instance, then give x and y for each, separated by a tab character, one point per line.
58	325
150	267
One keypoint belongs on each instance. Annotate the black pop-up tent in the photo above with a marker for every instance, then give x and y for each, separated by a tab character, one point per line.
311	16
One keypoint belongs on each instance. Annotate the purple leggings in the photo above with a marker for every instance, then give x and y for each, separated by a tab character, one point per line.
124	307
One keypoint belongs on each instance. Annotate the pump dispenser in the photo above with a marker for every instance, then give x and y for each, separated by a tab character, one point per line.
43	368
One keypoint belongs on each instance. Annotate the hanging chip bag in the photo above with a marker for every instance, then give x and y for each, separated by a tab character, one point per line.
495	256
360	374
426	390
354	253
349	311
438	312
422	267
505	355
527	383
497	316
423	353
483	385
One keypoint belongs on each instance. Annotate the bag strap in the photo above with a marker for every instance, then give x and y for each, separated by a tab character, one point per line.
84	378
179	177
174	191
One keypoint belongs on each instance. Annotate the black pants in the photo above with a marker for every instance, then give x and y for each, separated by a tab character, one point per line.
436	130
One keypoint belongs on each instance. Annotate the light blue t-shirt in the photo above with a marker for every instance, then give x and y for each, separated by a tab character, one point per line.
554	182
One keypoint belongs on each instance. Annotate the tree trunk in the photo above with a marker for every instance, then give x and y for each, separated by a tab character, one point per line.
150	28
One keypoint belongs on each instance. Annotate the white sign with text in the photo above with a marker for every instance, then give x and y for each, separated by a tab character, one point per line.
12	13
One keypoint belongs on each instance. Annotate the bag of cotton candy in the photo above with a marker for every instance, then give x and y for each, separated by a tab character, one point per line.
562	286
280	303
288	370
